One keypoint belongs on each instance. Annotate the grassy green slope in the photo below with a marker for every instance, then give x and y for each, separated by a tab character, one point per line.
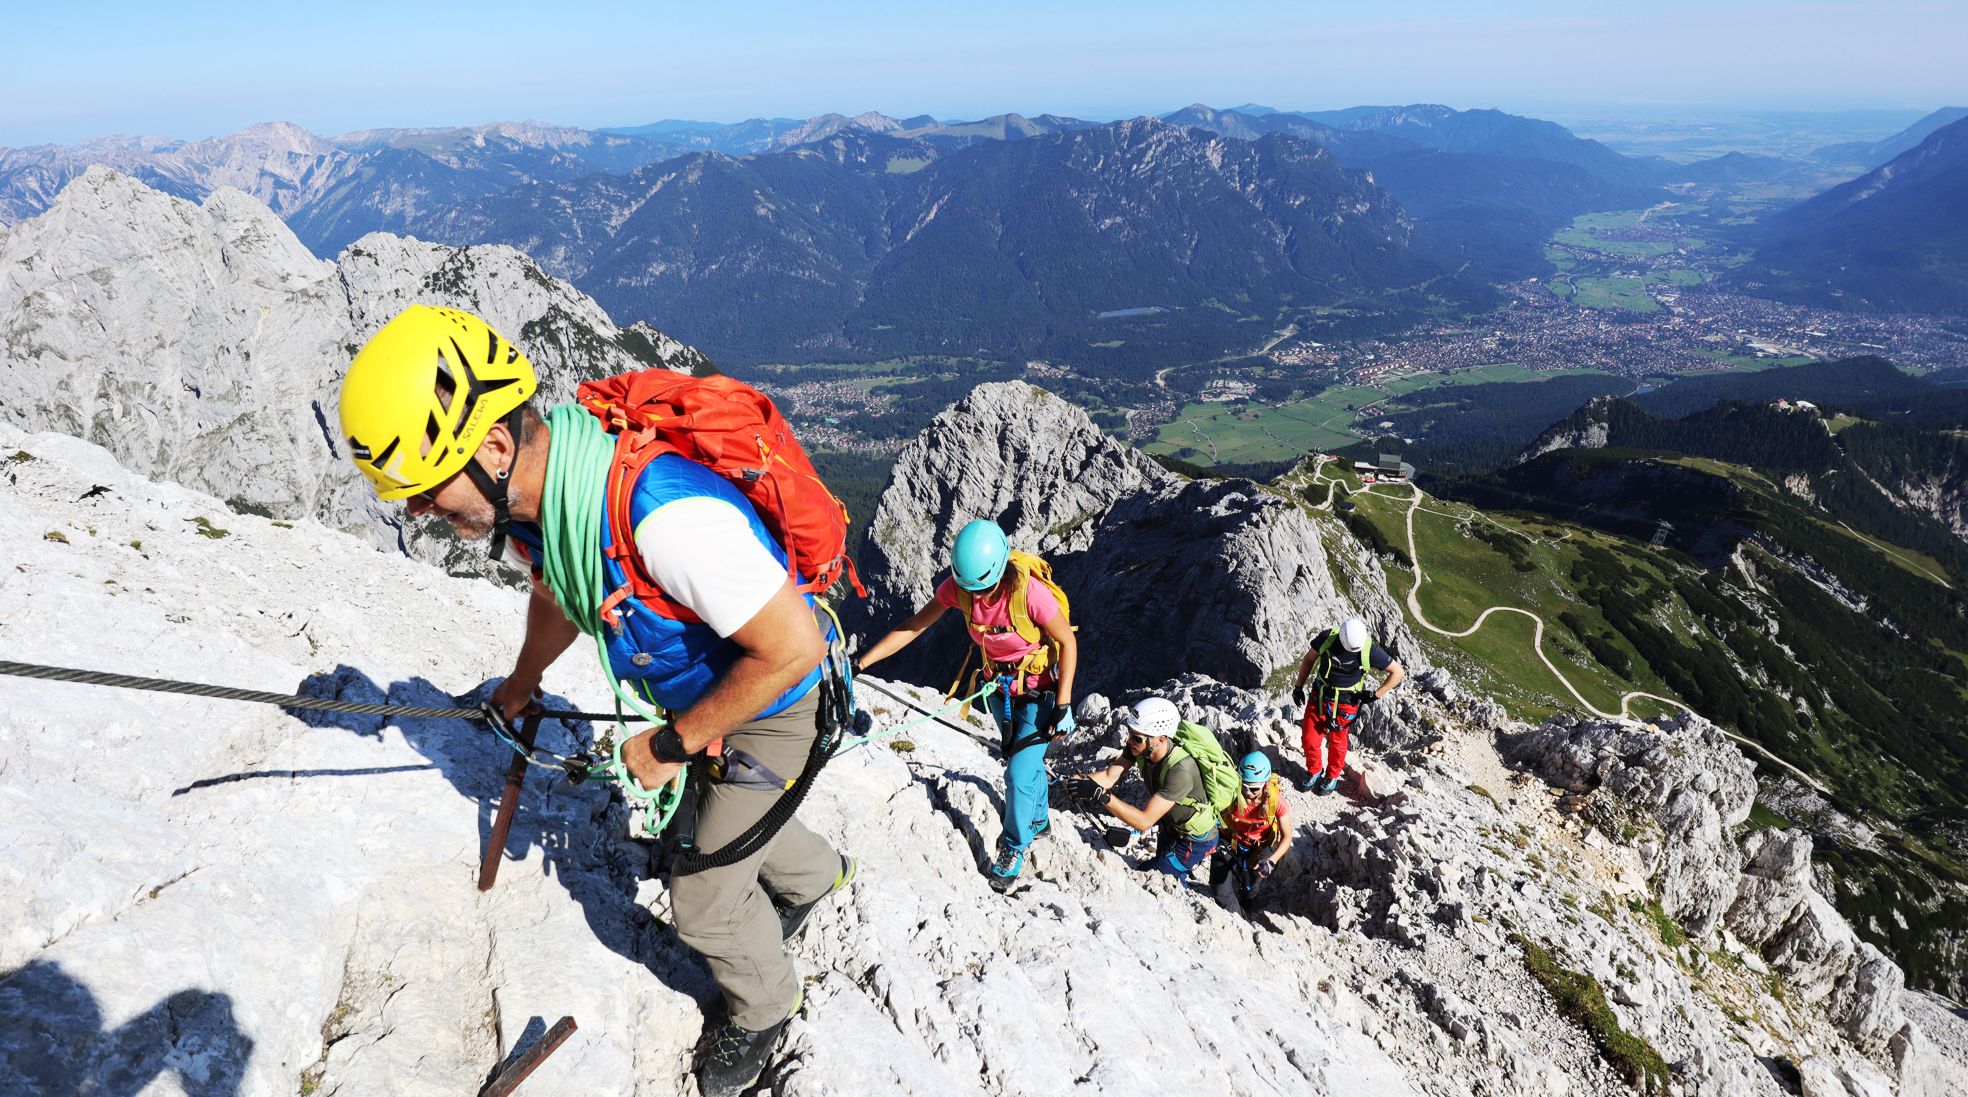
1842	654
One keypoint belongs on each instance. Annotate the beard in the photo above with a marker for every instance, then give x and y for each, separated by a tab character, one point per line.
472	522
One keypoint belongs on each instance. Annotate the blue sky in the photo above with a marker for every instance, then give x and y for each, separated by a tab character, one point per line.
76	70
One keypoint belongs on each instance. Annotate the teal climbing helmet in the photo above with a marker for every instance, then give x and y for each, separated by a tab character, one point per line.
977	560
1256	768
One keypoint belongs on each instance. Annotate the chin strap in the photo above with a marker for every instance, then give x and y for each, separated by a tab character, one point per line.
494	490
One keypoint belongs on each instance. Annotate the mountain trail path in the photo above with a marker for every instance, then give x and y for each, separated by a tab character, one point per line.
1625	710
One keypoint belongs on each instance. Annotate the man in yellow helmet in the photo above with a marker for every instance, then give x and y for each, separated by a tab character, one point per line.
435	412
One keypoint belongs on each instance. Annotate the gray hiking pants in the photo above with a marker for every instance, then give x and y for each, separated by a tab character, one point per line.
726	914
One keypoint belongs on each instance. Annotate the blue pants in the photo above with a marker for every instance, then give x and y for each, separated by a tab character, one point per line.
1027	800
1178	854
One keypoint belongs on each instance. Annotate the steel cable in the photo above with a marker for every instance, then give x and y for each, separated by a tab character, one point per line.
281	700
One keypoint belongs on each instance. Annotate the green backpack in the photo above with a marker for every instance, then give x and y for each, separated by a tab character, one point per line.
1220	779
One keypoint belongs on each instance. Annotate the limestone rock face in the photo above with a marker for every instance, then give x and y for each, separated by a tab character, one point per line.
1941	493
1222	578
1679	779
1776	873
1684	775
203	344
1007	452
1803	936
300	912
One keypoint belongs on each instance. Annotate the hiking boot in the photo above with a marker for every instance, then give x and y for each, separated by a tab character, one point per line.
1307	783
1042	830
793	919
1004	871
737	1056
1331	784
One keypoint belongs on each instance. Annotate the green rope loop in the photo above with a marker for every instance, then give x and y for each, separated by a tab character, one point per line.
572	519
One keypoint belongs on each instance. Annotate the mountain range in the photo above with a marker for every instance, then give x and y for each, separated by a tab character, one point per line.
1492	904
1872	154
823	240
1894	239
860	237
872	244
333	190
757	135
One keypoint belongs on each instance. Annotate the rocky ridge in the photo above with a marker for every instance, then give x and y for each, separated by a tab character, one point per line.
1223	578
202	343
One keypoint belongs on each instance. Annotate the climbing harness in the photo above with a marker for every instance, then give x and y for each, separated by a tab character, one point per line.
836	712
1322	672
572	521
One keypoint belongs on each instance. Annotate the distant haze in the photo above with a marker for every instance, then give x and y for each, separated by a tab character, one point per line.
77	72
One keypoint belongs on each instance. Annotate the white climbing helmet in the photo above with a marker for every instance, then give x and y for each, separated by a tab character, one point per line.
1353	634
1154	717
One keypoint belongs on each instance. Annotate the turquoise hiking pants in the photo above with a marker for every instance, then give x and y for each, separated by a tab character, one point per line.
1025	722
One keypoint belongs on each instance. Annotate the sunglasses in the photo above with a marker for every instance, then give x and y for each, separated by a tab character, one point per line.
429	495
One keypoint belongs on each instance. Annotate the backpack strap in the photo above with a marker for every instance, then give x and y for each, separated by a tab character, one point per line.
1198	808
1328	645
634	450
1018	611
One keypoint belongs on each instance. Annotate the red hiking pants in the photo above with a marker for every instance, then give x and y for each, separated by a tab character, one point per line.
1326	723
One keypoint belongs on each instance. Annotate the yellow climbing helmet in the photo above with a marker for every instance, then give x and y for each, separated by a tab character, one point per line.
401	431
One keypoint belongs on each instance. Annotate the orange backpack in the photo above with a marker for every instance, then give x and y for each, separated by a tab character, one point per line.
735	431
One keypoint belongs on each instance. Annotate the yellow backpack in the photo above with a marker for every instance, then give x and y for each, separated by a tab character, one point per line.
1028	568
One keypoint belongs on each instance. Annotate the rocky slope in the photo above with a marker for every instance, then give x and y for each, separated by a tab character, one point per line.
1223	578
300	912
303	907
204	344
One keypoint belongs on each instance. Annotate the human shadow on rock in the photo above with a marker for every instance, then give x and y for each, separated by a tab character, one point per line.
53	1042
580	830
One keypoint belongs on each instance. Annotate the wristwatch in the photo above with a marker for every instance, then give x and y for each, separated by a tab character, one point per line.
667	746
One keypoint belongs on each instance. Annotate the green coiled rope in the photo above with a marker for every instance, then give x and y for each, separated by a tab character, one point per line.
572	516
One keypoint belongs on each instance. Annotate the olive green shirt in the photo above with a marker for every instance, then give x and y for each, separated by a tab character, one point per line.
1176	783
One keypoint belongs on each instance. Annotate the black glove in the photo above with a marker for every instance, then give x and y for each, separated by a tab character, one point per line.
1263	867
1298	695
1086	791
1366	699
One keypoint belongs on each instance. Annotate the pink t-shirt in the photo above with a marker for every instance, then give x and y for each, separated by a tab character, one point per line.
1005	646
